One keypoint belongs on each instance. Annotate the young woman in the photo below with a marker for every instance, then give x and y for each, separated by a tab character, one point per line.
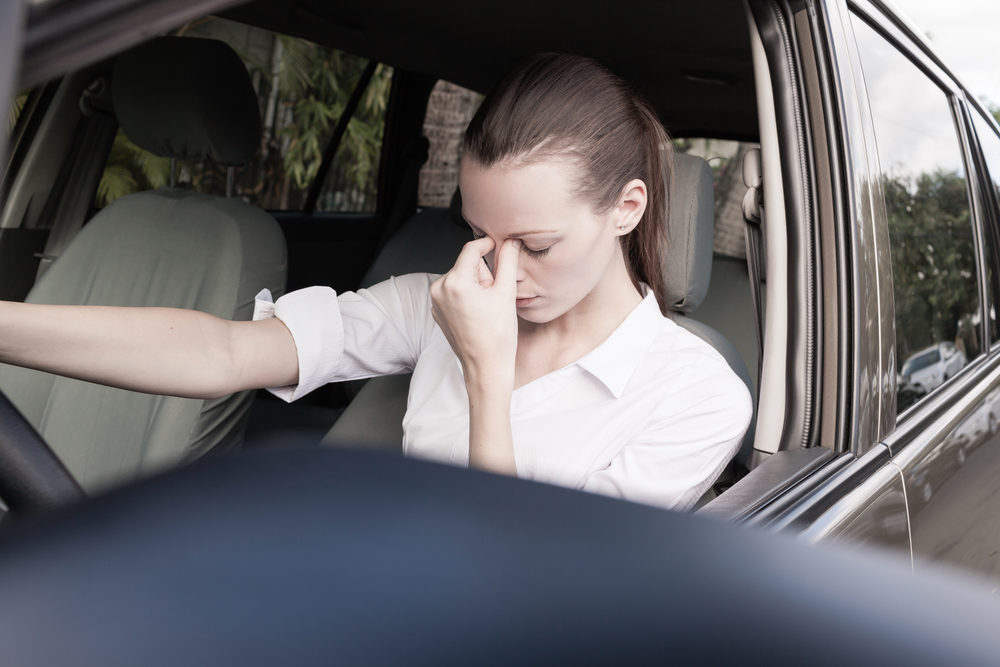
543	353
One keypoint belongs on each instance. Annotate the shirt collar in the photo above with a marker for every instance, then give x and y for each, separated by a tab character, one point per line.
615	360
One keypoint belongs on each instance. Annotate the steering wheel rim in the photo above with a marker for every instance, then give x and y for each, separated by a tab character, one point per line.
32	478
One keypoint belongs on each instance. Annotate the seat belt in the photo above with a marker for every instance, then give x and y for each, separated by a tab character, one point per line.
753	214
414	157
69	209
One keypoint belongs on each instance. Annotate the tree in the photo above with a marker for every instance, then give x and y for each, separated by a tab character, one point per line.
303	89
314	85
933	263
130	169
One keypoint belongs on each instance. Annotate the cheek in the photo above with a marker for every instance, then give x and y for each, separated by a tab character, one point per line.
566	272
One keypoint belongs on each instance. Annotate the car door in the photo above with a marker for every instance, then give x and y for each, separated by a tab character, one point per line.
908	239
935	215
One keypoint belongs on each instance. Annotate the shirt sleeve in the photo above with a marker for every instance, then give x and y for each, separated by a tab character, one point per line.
679	455
376	331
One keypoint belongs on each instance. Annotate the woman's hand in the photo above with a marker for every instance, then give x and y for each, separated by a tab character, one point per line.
477	311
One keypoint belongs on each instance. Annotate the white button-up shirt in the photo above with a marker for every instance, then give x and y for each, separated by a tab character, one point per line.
652	414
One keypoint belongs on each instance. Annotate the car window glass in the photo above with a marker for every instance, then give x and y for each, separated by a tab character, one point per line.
935	290
725	157
449	110
15	111
990	143
352	184
302	89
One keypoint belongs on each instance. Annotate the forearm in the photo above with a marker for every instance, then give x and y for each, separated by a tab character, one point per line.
156	350
491	444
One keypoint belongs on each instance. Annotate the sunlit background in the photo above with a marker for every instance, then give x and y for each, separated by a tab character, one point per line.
965	33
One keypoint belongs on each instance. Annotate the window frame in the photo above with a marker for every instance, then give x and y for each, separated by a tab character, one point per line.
898	36
989	193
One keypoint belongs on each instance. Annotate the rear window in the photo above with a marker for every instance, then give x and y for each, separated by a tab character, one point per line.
726	160
449	110
302	89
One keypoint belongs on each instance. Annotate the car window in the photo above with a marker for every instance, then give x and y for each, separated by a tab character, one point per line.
302	89
449	110
935	287
15	111
726	160
990	143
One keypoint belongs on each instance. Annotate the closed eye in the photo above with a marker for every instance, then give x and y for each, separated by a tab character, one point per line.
541	252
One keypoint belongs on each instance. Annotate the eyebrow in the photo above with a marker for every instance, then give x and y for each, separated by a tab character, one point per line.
518	235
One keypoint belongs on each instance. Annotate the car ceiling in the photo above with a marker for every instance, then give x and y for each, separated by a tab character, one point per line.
691	60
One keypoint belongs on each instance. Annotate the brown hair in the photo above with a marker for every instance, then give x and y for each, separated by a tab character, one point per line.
558	104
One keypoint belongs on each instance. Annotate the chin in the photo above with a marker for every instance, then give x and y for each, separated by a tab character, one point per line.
538	315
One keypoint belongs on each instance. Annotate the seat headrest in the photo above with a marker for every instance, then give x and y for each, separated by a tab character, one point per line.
687	262
187	98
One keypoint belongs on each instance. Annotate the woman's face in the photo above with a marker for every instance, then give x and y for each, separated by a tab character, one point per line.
566	248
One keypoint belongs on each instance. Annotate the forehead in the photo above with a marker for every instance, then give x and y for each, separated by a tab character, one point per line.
513	197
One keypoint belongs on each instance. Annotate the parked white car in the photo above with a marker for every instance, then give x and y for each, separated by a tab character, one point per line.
931	366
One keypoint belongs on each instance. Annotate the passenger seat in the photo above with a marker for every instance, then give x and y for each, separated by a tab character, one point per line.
428	242
189	99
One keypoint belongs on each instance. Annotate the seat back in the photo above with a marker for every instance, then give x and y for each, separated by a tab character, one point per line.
170	248
428	242
687	265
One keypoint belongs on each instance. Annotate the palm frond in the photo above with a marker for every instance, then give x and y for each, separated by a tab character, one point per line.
116	181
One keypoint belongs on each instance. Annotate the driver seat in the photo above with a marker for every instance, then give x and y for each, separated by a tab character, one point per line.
374	418
189	99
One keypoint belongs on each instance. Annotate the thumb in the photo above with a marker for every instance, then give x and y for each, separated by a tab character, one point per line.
506	263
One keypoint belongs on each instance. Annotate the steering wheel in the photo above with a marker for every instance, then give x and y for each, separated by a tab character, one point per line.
32	478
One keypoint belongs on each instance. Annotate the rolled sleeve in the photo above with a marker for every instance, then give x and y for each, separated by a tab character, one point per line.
312	315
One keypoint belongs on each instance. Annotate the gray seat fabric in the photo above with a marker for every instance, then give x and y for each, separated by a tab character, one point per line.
374	417
428	242
687	265
163	248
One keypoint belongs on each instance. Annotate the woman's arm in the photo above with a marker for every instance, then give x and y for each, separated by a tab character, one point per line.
477	313
155	350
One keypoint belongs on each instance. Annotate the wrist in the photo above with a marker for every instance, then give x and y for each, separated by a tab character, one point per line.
489	384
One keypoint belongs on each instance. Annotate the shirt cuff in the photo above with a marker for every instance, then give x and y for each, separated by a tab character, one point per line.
312	315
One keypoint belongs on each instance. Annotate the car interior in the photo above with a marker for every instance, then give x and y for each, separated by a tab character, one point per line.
198	96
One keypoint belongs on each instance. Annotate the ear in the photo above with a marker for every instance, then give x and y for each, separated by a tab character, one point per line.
630	207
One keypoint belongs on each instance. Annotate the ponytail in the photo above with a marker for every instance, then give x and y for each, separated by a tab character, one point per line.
645	247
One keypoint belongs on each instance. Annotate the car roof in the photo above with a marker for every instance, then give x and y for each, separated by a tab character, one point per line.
691	60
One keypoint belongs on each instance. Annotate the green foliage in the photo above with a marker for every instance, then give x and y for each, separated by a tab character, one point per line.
15	111
130	169
303	89
318	83
933	264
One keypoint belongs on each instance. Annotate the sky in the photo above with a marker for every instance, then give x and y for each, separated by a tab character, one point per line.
966	34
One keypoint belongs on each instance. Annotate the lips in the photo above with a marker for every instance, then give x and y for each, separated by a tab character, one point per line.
524	300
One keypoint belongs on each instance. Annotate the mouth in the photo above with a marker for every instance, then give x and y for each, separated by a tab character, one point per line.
525	301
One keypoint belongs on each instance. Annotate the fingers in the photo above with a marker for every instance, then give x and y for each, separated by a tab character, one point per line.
472	256
485	276
505	268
